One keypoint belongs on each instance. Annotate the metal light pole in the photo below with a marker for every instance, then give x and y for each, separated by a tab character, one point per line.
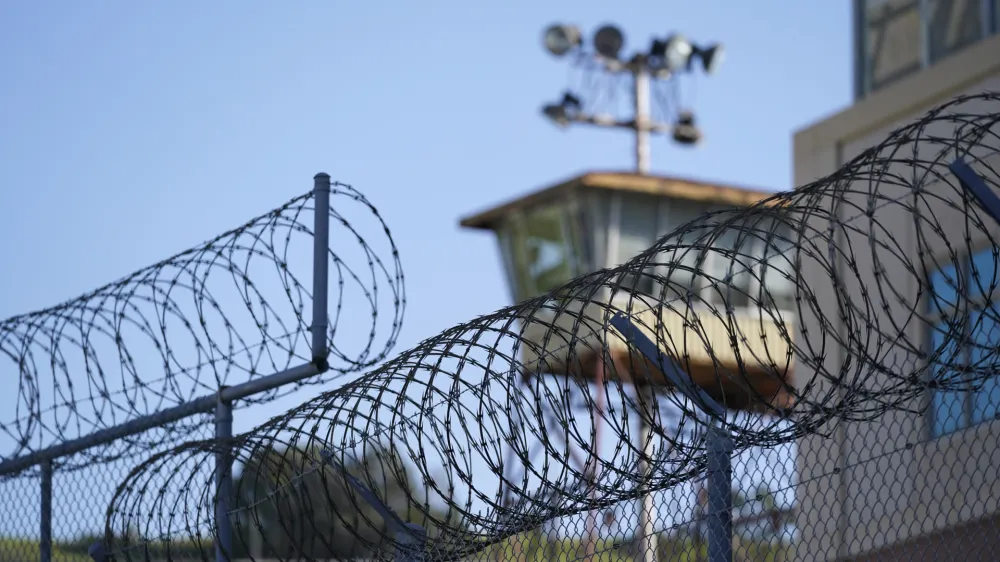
640	96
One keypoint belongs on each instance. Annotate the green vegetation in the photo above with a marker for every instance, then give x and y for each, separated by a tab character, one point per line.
20	550
75	550
531	546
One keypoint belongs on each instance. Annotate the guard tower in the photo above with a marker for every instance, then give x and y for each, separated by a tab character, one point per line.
602	219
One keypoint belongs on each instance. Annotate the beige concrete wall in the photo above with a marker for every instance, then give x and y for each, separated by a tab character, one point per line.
869	485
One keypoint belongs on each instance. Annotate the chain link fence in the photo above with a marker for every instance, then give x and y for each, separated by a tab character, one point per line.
80	495
603	423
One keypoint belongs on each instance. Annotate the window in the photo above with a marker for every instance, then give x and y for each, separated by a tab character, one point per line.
995	9
968	297
679	263
892	41
730	265
581	231
896	38
636	234
952	25
761	270
718	275
541	250
778	266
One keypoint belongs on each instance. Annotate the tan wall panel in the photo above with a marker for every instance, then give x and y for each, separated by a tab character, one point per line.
897	484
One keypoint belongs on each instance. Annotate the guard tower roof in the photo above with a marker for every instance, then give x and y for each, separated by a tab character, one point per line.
662	186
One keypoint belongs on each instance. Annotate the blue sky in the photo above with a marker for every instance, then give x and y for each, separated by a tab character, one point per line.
132	130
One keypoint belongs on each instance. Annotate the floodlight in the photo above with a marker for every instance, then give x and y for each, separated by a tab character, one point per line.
685	131
571	102
657	51
711	57
560	39
563	112
608	41
557	113
677	52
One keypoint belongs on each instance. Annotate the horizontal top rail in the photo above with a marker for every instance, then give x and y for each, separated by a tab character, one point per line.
200	405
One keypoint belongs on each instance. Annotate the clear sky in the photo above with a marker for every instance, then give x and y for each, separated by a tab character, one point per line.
132	130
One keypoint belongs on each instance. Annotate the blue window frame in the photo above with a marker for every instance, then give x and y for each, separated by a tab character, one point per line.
969	297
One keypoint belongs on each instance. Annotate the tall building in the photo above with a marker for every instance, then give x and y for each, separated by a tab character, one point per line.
920	485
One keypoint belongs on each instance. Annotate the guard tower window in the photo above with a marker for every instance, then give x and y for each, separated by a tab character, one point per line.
541	251
637	232
681	261
778	267
752	264
731	265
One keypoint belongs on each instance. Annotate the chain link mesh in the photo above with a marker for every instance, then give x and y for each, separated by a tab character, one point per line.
563	427
546	431
80	499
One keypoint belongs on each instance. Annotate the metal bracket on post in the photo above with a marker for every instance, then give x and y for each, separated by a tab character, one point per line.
321	266
45	528
974	184
223	480
411	539
718	445
668	367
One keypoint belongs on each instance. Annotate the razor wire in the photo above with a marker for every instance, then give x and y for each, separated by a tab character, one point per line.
200	320
458	402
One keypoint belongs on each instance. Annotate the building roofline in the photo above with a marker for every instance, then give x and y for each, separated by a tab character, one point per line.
663	186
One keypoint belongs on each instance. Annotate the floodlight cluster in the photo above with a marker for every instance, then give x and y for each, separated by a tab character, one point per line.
664	59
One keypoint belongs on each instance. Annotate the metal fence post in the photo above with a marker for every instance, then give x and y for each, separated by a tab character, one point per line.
45	530
719	444
719	447
321	248
411	543
223	480
647	521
